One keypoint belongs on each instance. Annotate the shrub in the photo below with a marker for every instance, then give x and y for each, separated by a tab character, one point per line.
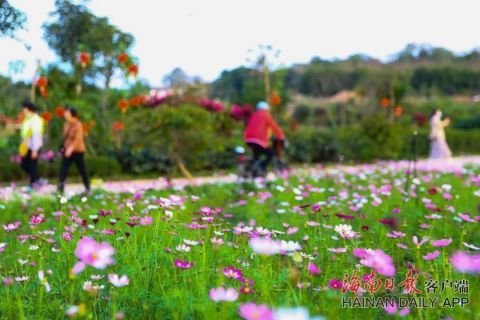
311	145
459	141
374	138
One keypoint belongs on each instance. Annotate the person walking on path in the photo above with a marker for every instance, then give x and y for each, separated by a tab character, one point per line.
438	144
31	133
73	149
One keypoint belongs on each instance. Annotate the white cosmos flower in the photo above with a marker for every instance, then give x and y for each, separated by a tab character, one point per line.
216	241
88	286
265	246
43	280
290	246
118	281
262	231
293	314
183	248
471	246
446	187
21	278
345	231
72	311
190	242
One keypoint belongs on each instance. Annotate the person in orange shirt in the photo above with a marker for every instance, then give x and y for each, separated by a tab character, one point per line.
73	149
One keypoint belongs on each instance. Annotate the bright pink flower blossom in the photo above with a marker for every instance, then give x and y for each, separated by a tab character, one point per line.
252	311
89	252
464	262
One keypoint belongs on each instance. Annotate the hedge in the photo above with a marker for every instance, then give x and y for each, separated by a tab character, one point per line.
367	141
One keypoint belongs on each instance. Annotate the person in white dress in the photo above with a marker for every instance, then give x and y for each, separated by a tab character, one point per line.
438	144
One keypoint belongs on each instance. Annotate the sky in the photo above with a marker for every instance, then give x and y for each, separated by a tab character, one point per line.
205	37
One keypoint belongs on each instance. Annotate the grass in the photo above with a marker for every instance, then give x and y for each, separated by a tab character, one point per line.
159	290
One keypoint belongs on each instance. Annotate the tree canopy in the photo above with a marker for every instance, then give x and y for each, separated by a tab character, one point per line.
11	19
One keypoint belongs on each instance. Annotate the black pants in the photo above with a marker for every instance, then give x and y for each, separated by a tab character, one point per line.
261	155
78	159
30	165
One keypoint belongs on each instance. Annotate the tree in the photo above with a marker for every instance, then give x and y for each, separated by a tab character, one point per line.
177	78
76	29
183	132
11	19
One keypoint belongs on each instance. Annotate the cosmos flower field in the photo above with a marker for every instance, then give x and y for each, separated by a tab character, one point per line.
281	248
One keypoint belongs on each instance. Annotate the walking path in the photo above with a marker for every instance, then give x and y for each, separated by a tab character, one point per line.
452	165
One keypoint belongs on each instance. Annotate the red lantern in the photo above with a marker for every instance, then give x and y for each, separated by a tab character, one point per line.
43	92
133	70
118	126
47	116
60	111
87	126
385	102
122	57
275	99
398	111
138	100
41	82
123	105
85	59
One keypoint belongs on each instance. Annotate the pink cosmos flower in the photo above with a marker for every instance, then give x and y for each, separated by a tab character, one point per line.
292	230
89	252
11	226
431	255
376	259
252	311
466	217
335	284
7	281
421	243
232	273
3	245
441	242
217	242
393	309
36	219
183	264
313	269
222	294
67	236
395	234
464	262
146	221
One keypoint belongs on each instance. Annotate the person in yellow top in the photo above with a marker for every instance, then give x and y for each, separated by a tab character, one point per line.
31	133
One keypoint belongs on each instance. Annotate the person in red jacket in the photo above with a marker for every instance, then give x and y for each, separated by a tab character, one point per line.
258	133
